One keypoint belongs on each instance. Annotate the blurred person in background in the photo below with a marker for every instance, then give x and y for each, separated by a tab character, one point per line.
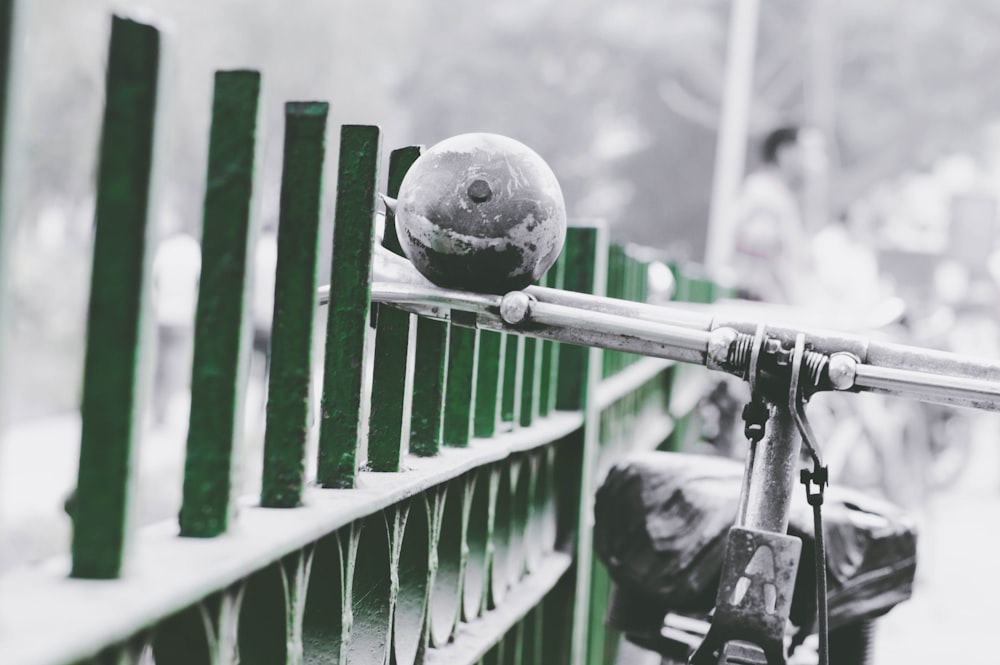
765	250
763	256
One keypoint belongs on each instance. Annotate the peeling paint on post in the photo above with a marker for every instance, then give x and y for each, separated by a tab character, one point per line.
392	334
219	350
287	428
110	410
349	306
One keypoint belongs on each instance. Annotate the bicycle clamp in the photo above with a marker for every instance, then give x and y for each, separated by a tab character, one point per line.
755	596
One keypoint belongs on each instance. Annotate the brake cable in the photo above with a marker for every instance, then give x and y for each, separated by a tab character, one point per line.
818	477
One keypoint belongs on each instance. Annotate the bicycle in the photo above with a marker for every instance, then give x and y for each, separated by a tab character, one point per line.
784	366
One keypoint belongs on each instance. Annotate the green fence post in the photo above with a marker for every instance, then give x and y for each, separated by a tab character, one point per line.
612	360
513	376
7	18
109	410
287	427
489	382
530	380
430	366
392	334
8	30
460	392
430	372
692	286
583	253
550	350
635	291
220	329
580	371
349	306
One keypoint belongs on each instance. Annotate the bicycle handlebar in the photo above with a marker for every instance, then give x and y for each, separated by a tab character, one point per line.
702	335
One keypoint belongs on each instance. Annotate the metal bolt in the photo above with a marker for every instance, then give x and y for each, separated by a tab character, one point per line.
720	341
479	191
515	307
843	369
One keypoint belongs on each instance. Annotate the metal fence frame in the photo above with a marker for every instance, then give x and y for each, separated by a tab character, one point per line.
450	519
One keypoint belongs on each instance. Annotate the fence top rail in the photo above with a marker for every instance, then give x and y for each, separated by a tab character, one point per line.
59	619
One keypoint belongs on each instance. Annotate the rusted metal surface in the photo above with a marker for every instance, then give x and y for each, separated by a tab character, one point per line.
755	594
481	212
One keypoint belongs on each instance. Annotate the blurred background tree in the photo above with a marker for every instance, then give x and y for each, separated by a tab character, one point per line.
622	99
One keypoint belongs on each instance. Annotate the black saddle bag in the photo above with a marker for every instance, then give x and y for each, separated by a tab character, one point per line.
661	521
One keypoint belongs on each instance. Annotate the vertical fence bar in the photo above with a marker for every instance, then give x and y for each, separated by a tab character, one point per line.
430	367
6	48
219	349
513	374
8	30
287	427
622	276
110	410
550	350
644	280
349	305
611	359
460	394
674	375
633	277
392	332
529	383
430	371
580	372
489	382
580	276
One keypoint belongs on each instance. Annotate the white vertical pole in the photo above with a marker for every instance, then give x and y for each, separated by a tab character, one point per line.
11	35
821	91
731	147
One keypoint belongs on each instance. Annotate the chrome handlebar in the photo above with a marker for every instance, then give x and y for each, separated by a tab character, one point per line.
705	335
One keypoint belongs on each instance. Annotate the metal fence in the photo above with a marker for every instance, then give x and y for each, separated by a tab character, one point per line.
449	519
